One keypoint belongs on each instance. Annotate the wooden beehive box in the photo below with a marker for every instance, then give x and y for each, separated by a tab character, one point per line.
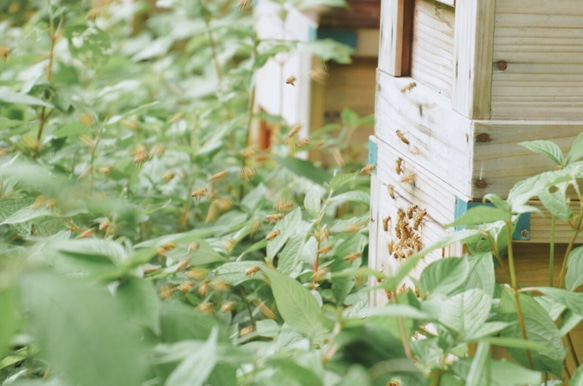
463	82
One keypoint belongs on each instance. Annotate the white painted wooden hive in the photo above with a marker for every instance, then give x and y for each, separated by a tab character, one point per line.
459	84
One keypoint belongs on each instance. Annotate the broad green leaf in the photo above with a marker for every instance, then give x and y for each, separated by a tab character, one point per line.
194	235
349	117
569	321
576	152
312	202
295	303
327	49
77	325
180	322
234	273
304	168
479	369
27	214
486	329
466	311
574	276
526	189
546	148
410	263
70	130
8	322
289	257
351	196
254	197
89	44
394	310
444	276
516	343
480	215
553	308
481	273
320	3
140	302
291	369
356	375
349	225
556	202
571	300
577	377
286	227
23	99
540	329
497	201
499	373
340	179
196	367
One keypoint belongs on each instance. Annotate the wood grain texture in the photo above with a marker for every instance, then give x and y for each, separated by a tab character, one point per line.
501	162
541	43
440	140
433	45
394	51
474	31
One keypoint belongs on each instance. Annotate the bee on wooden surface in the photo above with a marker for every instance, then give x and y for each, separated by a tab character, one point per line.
386	222
275	217
402	137
367	170
400	215
198	193
291	80
391	190
273	234
409	87
419	219
294	130
399	165
218	176
411	211
390	246
352	256
252	270
408	178
301	142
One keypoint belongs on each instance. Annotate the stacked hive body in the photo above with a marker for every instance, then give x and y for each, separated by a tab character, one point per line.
459	84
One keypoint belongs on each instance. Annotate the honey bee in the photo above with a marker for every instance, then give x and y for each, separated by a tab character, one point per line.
182	265
367	170
168	175
88	233
282	205
275	217
402	137
411	211
273	234
408	178
252	270
419	219
391	190
206	307
301	142
104	225
105	170
203	288
325	249
386	221
243	4
352	256
5	52
265	310
186	286
320	274
294	130
247	330
194	246
141	154
166	291
399	166
390	246
198	193
228	306
409	87
218	176
291	80
248	173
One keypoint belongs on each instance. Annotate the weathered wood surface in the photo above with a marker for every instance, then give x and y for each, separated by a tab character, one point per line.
395	47
440	140
541	45
474	31
433	45
500	162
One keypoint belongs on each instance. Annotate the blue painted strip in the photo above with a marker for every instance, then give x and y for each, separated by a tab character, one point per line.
341	35
372	154
522	231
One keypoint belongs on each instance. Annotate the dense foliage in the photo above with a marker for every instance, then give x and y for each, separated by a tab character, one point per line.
145	241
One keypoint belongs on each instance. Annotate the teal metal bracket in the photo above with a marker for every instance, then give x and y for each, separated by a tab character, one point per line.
372	154
341	35
522	231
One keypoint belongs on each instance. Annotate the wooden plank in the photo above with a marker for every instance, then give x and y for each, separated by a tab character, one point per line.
500	162
450	3
367	43
474	31
433	45
541	46
394	51
440	140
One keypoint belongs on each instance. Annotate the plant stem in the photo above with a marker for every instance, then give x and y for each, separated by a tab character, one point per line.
251	318
404	337
572	349
514	283
576	230
552	252
43	114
